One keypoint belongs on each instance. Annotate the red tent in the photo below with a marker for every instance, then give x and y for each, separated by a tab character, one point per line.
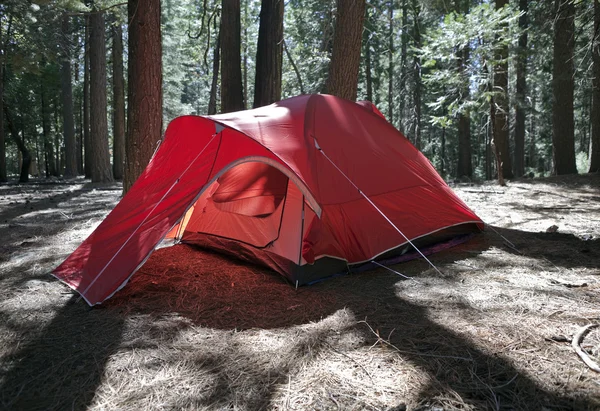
307	186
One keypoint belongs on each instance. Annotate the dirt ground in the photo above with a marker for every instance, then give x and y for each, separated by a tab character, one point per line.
195	330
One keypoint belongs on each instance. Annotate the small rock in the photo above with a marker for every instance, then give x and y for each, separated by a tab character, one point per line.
552	229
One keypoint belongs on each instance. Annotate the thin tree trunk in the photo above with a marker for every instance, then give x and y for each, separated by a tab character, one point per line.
246	53
144	109
368	69
443	152
493	123
100	158
67	103
521	90
298	76
87	146
465	165
417	75
212	100
48	146
118	102
269	53
595	116
391	64
501	128
403	57
3	175
563	124
232	96
342	80
25	155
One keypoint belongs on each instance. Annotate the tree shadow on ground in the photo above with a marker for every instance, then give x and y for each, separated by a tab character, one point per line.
216	292
60	366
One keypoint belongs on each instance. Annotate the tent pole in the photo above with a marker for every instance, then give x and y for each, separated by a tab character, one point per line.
375	207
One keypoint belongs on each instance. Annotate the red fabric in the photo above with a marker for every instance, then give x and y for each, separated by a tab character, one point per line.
356	138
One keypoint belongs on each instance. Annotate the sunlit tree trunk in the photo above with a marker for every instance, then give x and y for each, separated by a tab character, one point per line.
100	159
403	57
232	97
342	80
144	105
269	53
563	124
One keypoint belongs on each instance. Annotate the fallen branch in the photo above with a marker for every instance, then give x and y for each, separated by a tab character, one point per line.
582	354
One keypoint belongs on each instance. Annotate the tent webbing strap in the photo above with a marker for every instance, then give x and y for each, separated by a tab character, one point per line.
147	216
375	207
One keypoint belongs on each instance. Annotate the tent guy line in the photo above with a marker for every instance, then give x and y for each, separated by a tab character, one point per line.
147	216
375	207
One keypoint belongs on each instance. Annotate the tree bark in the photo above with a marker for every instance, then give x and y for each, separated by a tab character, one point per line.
342	80
403	57
521	89
232	97
269	53
563	126
465	165
594	158
87	146
3	175
50	162
417	74
501	128
144	110
391	63
118	102
212	100
100	168
67	102
25	155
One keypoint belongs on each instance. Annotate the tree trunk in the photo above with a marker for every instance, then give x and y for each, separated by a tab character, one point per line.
391	63
465	165
403	57
212	100
595	116
417	75
118	102
99	157
232	98
500	127
87	146
494	144
294	67
368	74
521	67
67	102
48	146
25	155
3	175
269	53
144	109
342	80
563	126
245	92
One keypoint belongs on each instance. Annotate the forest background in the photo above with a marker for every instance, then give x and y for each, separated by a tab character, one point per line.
88	87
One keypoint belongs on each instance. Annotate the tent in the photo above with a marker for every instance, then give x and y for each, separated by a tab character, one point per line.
308	186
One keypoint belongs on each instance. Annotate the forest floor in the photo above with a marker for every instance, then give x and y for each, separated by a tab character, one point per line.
195	330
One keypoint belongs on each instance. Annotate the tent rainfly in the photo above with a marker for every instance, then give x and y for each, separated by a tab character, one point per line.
309	186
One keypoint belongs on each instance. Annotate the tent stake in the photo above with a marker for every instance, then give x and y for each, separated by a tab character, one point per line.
376	208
